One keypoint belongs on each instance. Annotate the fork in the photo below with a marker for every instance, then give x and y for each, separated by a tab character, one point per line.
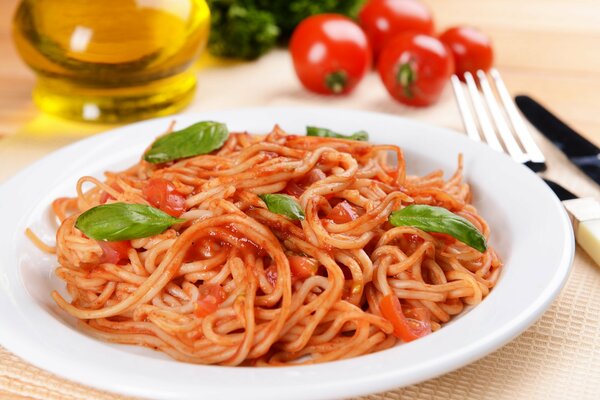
501	126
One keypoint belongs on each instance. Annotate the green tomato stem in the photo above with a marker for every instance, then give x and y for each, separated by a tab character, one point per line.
406	77
336	81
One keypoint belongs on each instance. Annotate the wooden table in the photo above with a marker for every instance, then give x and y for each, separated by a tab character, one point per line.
545	48
548	48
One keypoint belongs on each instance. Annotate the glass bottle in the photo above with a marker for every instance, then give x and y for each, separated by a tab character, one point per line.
112	60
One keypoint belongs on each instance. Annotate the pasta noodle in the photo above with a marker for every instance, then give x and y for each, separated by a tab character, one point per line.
237	284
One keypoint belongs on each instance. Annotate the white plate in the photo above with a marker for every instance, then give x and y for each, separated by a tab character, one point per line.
530	231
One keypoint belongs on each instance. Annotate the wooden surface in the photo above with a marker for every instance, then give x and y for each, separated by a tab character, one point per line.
545	48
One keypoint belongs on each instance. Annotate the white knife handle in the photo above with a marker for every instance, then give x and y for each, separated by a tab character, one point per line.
585	215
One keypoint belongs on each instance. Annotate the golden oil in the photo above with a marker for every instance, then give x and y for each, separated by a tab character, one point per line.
112	60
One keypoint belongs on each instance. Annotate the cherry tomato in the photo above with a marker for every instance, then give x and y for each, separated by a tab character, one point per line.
415	68
407	328
383	19
343	212
161	194
331	54
472	50
114	252
209	297
303	267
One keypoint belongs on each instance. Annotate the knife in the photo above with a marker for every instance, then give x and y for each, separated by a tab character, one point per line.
585	217
583	212
580	151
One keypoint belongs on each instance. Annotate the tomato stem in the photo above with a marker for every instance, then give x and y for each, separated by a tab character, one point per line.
406	77
336	81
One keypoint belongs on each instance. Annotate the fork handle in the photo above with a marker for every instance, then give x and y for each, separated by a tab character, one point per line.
585	215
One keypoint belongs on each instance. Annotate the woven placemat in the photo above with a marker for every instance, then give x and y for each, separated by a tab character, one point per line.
557	358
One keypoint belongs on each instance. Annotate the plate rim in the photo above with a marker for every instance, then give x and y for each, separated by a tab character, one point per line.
450	360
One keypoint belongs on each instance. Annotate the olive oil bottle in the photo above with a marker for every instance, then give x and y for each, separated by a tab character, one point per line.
112	60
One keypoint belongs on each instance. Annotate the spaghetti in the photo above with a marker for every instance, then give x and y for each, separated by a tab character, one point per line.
237	284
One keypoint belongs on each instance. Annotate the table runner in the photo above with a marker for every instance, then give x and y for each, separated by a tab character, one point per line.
556	358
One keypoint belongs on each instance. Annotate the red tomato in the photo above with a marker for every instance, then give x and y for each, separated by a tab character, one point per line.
413	239
331	54
405	328
104	196
383	19
303	267
314	175
271	274
114	252
161	194
415	68
472	50
293	189
343	212
447	239
350	289
209	297
297	188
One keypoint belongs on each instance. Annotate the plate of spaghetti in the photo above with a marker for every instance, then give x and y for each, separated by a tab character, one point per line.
270	252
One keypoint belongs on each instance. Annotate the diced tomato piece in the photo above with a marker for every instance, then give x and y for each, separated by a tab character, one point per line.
114	252
201	250
417	313
296	188
161	194
343	212
303	267
413	239
314	175
104	196
447	239
406	327
350	289
293	189
271	274
209	297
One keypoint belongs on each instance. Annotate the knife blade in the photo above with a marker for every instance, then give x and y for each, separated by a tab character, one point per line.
580	151
560	191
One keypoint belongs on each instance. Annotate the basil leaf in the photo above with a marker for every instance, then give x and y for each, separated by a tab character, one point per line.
123	221
324	132
200	138
284	205
438	219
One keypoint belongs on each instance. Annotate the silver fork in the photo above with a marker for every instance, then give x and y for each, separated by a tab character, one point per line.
497	133
524	151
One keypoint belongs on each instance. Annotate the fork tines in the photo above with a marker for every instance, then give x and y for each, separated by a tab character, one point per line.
489	114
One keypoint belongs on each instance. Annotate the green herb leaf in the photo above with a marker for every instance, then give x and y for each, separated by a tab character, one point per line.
200	138
438	219
240	30
284	205
324	132
123	221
